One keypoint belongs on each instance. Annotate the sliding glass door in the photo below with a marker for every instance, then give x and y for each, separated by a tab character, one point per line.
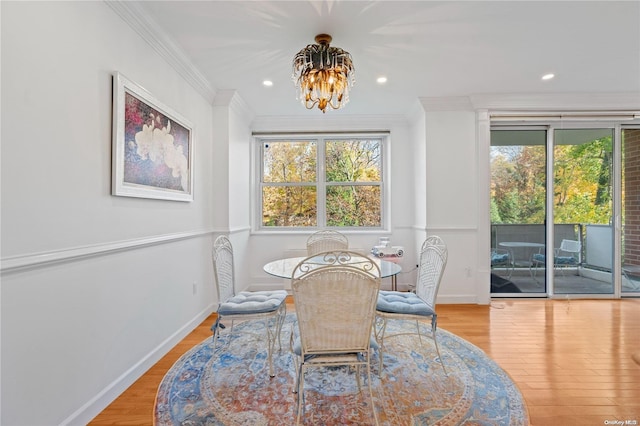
585	180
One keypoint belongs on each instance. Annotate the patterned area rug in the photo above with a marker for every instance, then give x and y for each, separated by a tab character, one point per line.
232	386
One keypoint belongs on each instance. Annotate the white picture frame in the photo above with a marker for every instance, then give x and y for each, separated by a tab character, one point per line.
152	146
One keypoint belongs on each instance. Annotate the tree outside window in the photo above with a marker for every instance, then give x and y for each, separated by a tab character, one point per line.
582	183
322	182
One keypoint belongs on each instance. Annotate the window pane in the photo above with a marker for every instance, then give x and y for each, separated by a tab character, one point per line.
289	161
518	210
353	160
583	210
353	206
289	206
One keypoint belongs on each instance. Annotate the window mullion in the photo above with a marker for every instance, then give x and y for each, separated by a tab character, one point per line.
321	186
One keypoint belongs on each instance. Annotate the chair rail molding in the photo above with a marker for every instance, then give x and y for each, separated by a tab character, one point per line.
36	260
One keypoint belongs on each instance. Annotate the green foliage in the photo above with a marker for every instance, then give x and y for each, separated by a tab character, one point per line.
582	183
353	206
495	214
352	161
290	190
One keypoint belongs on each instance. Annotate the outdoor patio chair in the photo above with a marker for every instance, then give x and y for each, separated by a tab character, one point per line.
418	306
630	277
326	240
335	305
267	306
565	256
501	258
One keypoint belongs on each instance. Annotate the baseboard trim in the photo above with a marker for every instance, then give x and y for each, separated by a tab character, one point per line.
99	402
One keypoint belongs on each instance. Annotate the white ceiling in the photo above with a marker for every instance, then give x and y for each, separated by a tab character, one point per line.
425	48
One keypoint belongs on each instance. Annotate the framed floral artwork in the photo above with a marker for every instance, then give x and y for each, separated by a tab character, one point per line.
152	146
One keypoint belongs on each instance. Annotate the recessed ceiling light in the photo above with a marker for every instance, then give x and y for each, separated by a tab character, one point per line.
268	83
382	80
548	76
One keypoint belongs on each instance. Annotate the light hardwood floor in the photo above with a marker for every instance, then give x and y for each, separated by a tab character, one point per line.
571	359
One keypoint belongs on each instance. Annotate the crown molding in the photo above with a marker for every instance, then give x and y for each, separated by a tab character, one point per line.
231	99
416	112
617	101
446	103
328	124
223	98
134	15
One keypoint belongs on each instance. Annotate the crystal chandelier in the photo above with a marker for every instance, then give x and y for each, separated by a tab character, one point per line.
323	75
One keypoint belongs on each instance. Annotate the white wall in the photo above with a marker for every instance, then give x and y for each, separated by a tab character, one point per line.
129	276
418	148
452	201
239	176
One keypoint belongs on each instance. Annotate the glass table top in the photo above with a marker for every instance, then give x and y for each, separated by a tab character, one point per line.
284	267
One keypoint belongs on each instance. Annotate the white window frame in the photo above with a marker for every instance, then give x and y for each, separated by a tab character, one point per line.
320	139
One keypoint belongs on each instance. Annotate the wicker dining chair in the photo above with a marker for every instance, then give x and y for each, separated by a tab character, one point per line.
326	240
397	305
267	306
335	302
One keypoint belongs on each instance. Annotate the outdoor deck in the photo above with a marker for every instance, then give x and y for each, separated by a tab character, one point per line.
566	282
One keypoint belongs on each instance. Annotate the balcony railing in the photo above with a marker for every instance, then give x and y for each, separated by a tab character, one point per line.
591	273
534	233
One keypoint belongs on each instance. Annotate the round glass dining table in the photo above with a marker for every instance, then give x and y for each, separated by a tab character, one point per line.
283	268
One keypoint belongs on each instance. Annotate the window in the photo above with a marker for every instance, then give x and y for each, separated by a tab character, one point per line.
321	182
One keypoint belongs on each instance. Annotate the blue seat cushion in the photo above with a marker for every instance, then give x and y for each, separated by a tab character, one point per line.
565	260
499	258
538	257
400	302
558	260
253	302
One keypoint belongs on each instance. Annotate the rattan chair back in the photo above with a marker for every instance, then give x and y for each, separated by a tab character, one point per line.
223	268
326	240
433	259
335	295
